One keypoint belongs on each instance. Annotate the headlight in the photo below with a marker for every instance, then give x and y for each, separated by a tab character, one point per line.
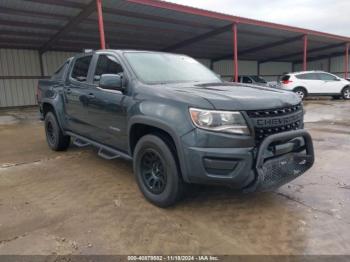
220	121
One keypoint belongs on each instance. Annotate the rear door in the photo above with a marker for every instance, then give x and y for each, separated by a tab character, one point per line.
330	84
310	81
76	95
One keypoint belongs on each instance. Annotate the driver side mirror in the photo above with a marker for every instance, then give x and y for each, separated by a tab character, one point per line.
112	82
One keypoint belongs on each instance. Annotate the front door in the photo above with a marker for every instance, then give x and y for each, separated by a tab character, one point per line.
107	108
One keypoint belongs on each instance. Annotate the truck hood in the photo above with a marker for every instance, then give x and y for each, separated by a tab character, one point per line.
234	96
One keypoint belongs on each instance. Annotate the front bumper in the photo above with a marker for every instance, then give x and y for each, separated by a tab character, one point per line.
279	159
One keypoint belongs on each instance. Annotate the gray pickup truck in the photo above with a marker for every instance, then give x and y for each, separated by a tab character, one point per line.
177	121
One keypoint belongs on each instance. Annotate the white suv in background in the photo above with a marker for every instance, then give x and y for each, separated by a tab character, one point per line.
316	83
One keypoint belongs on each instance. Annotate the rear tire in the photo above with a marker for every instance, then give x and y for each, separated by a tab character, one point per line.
156	171
346	93
55	138
301	92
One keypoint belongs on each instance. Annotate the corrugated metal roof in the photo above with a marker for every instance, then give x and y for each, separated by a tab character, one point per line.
40	6
153	25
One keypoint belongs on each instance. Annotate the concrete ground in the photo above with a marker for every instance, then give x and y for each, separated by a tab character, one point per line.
77	203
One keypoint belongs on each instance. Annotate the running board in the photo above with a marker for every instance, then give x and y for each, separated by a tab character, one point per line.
80	143
105	152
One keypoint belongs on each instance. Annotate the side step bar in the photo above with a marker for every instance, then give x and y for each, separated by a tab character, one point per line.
105	152
80	143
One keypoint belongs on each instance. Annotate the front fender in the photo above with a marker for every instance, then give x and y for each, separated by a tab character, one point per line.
166	127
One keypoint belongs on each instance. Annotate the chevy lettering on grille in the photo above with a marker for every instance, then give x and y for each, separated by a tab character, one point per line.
277	121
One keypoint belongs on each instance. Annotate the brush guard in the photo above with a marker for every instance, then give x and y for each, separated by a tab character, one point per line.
282	166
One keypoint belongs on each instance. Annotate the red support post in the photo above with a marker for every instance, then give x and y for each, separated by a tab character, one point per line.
346	62
100	24
235	52
305	53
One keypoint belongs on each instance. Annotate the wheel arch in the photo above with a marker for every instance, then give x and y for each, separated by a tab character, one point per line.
347	86
141	126
342	92
301	87
49	107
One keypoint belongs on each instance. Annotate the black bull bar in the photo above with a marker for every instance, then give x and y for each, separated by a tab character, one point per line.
273	171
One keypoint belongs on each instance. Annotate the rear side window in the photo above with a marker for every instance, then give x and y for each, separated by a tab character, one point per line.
308	76
81	68
60	72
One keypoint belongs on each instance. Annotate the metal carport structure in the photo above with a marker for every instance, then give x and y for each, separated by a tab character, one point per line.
73	25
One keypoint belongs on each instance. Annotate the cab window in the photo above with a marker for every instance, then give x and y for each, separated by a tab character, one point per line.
81	68
107	64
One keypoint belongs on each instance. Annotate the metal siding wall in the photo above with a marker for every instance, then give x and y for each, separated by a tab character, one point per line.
17	62
271	70
337	65
314	65
298	67
205	62
225	68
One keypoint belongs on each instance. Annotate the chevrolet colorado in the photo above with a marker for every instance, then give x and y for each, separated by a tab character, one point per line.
177	121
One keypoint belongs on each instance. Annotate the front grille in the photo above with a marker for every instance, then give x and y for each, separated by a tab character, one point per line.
271	118
274	112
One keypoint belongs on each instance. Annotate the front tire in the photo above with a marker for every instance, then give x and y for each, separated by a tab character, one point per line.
301	92
55	138
346	93
156	171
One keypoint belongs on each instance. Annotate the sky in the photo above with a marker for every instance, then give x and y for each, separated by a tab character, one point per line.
321	15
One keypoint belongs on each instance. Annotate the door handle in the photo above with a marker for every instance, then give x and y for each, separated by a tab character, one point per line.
91	95
68	91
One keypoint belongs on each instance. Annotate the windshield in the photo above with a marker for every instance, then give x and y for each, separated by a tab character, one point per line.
259	79
168	68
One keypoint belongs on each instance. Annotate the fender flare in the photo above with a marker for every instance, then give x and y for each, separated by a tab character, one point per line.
58	116
150	121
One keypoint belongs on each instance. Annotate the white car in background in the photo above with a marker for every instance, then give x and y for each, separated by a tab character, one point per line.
316	83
